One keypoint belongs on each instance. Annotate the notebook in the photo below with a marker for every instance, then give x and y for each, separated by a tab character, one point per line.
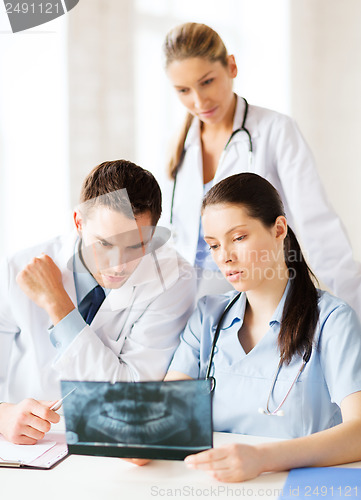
163	420
42	455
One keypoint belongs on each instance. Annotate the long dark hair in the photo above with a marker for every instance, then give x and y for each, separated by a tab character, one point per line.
262	202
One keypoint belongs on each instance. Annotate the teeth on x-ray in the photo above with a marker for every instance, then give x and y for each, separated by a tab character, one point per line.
156	415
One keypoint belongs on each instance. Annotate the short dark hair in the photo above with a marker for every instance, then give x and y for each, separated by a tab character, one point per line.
111	176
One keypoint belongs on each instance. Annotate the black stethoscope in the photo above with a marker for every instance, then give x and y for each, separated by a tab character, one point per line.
277	412
242	128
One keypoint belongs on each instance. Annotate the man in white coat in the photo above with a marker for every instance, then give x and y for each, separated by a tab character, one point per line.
105	303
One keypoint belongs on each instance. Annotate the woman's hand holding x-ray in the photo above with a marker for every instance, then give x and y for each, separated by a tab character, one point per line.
232	463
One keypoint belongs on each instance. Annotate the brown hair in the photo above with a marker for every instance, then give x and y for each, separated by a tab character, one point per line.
262	202
112	176
182	42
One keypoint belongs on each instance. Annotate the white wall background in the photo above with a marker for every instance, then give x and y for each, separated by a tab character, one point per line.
325	77
90	87
34	195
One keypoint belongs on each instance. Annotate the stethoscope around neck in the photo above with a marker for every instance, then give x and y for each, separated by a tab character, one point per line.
242	128
265	411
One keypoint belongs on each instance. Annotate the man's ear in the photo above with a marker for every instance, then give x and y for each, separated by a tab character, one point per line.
78	221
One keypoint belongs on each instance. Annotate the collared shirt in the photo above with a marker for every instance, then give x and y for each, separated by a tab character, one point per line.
62	334
244	381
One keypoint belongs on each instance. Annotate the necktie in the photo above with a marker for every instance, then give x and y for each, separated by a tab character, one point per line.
89	306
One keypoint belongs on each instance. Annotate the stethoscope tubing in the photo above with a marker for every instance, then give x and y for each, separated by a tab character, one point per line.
215	338
277	411
208	376
242	128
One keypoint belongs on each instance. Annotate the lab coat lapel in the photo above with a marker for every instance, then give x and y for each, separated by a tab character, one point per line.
188	195
155	273
120	301
107	313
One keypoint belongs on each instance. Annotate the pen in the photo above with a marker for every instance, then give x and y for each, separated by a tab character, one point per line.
58	404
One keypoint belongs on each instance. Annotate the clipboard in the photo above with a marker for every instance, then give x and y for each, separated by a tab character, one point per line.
44	455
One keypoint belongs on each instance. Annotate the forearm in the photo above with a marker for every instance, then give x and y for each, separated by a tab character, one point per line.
338	445
59	309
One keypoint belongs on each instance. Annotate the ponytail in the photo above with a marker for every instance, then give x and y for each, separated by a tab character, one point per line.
300	313
177	153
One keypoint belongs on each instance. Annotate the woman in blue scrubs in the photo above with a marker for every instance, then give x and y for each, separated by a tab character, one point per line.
287	363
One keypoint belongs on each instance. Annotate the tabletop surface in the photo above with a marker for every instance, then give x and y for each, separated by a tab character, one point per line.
104	478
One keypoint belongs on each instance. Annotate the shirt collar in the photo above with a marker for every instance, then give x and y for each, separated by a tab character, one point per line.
84	281
236	313
277	315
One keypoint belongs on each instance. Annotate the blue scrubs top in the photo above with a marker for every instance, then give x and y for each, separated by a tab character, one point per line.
243	381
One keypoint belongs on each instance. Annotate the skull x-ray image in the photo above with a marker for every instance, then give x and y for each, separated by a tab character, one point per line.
138	419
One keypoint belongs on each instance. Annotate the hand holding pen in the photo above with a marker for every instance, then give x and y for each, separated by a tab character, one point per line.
56	406
28	421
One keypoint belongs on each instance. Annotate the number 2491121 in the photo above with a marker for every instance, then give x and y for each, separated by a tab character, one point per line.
33	8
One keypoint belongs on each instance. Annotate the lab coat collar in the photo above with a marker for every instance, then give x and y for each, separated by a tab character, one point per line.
194	134
193	138
156	272
84	281
251	123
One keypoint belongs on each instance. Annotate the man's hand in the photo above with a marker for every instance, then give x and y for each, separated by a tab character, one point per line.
42	282
26	422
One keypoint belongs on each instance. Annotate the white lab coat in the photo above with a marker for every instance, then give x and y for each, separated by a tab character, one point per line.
132	337
284	159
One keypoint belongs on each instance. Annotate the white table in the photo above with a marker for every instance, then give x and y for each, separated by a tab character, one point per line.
103	478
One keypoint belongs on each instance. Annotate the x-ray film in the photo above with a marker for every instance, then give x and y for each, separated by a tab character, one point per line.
164	420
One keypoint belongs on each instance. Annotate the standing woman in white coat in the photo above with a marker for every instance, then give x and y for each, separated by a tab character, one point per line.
224	135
